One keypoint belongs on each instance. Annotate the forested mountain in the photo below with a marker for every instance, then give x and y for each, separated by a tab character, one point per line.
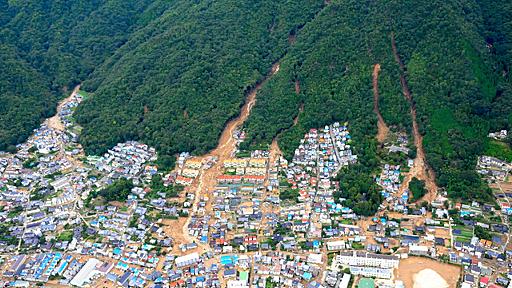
172	73
177	81
457	65
49	46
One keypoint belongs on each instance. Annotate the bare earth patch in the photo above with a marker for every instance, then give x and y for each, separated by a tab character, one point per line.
420	169
225	150
383	129
417	272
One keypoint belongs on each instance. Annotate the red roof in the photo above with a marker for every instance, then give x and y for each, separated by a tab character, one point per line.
229	177
254	177
484	280
184	179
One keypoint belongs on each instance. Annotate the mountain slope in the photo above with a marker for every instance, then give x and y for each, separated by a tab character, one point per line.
448	67
172	73
176	82
55	45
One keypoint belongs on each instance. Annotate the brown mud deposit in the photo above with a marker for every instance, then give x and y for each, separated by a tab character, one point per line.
225	150
420	169
382	128
54	122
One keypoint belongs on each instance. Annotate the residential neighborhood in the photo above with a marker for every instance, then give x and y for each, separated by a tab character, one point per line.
247	219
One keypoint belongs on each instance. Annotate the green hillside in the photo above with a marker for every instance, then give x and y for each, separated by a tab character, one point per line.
172	73
50	46
456	86
176	82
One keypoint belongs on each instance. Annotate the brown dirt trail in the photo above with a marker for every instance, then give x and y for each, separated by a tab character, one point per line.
225	150
383	129
420	169
55	121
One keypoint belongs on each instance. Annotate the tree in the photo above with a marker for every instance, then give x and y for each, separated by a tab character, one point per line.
117	191
417	188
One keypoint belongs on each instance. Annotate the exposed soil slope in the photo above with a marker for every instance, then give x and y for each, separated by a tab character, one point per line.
383	129
225	150
420	169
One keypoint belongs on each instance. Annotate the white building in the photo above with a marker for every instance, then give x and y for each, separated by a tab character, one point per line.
336	245
372	272
314	258
344	281
187	260
418	250
85	274
237	284
367	259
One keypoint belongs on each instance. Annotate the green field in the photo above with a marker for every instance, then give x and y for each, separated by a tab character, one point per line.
466	233
499	150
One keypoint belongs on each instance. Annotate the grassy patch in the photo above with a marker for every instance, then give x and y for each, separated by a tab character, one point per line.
499	150
443	120
466	233
357	246
481	72
65	236
84	94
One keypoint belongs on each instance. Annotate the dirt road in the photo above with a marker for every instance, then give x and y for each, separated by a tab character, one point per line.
383	129
420	169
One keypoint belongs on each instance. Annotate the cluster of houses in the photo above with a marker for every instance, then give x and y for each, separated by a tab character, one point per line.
127	160
320	155
242	233
493	169
390	180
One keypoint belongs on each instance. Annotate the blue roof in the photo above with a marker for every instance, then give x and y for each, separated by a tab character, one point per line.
228	259
229	272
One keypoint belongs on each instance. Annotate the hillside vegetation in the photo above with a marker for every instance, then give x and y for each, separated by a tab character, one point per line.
460	87
176	82
47	47
172	73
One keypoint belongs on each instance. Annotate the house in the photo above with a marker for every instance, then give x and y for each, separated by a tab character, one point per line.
355	258
186	181
484	281
336	245
187	260
256	179
229	179
418	250
469	279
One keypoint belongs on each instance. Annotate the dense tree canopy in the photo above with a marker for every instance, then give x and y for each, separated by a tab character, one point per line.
176	82
172	73
460	84
47	47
